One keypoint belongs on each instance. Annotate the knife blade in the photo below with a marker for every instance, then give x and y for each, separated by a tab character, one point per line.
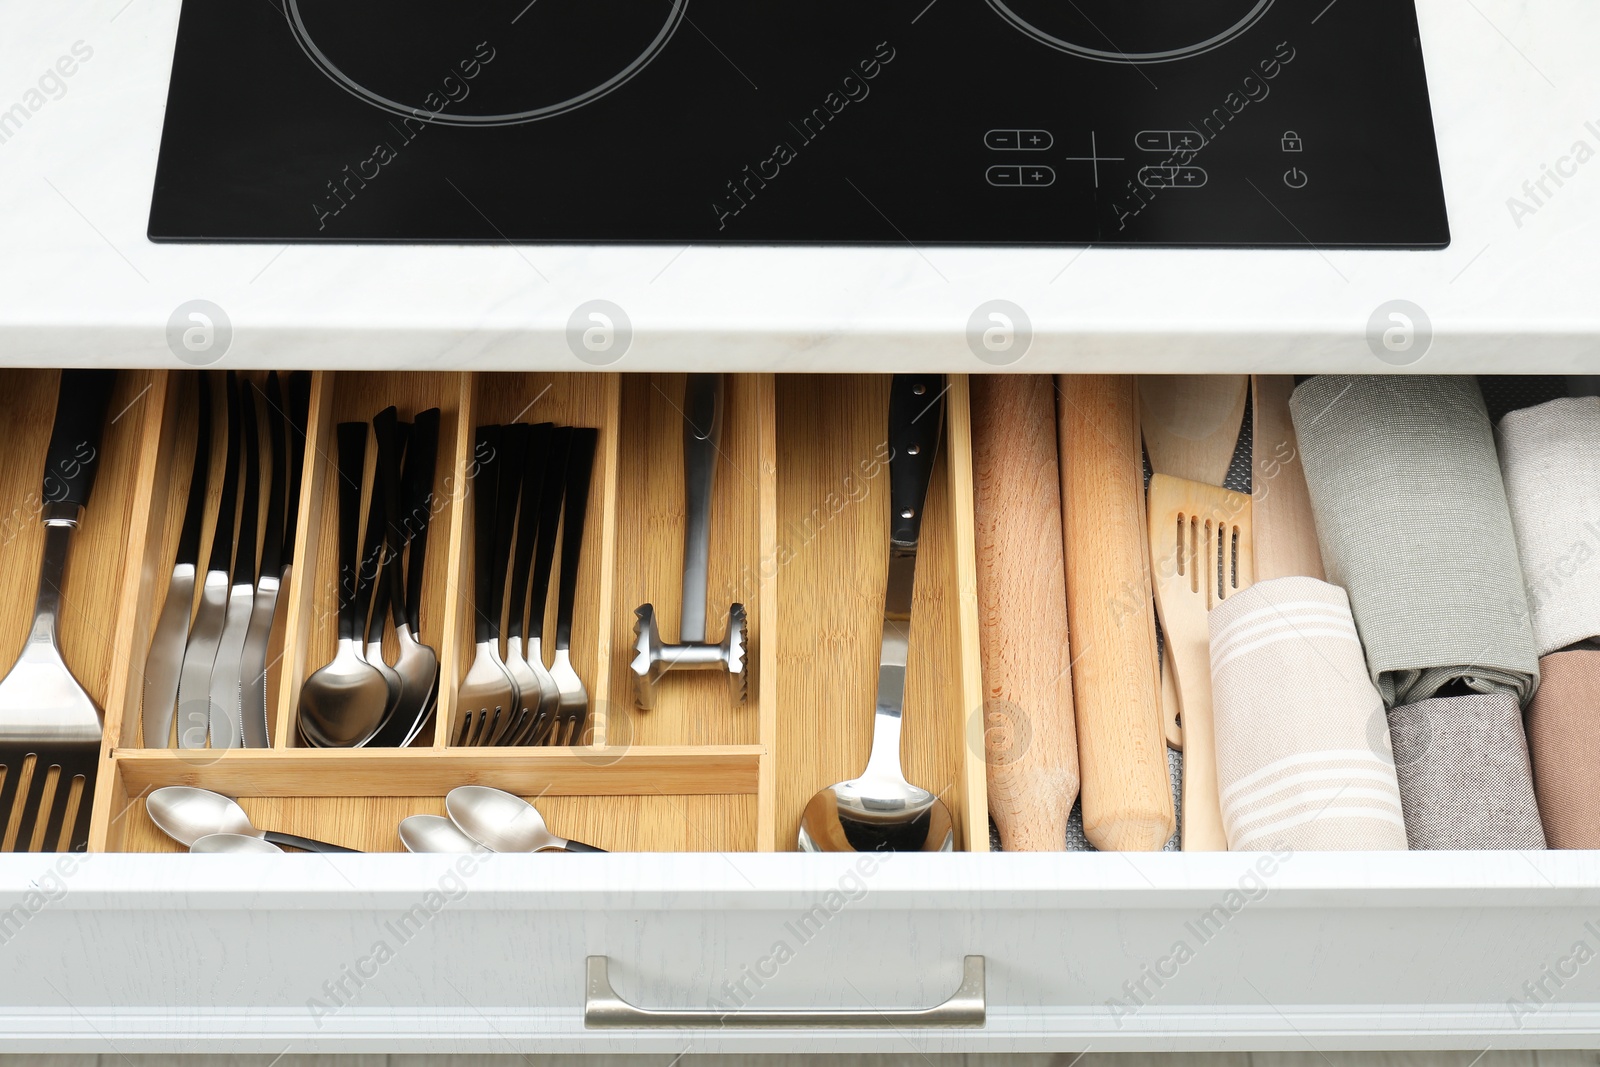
194	679
253	664
165	659
227	688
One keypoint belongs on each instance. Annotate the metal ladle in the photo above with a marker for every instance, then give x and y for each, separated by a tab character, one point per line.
343	704
434	833
187	813
504	822
880	811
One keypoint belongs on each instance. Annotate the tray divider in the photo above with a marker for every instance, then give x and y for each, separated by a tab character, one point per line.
454	637
974	770
609	474
764	683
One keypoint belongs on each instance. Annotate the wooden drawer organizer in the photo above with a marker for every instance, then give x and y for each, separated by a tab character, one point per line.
799	530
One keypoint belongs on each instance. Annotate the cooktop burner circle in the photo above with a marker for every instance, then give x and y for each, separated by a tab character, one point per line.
482	62
1120	31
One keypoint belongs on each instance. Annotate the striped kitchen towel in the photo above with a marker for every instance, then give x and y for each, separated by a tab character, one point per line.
1303	756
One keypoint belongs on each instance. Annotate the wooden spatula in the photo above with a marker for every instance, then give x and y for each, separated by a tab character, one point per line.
1031	744
1191	428
1201	554
1126	794
1285	531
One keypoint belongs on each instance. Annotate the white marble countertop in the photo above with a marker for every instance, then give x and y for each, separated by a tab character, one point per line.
1515	89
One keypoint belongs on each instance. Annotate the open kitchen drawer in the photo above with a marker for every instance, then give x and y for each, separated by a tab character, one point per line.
124	950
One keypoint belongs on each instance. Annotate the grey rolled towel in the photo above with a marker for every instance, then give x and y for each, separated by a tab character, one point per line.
1413	522
1465	779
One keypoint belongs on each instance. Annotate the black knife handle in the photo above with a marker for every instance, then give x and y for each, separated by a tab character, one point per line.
244	558
555	482
916	415
304	844
380	514
422	455
483	472
579	846
194	510
352	465
222	537
272	546
74	453
580	468
299	393
372	543
514	439
533	474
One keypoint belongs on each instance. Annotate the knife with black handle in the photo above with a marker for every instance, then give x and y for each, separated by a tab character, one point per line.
194	679
227	688
253	663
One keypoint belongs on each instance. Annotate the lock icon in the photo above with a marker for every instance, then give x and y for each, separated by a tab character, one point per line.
1292	142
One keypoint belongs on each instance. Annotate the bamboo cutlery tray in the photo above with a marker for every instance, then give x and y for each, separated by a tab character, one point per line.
799	536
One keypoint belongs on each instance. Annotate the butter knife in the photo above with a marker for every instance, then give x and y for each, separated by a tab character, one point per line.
227	690
165	659
253	665
194	680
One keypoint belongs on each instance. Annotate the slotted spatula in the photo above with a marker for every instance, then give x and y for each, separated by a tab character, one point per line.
1201	554
1190	424
49	727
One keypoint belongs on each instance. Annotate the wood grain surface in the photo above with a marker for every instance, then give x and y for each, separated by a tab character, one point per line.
1285	528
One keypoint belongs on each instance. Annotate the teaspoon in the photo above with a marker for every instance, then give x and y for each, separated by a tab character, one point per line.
434	833
504	822
233	843
187	813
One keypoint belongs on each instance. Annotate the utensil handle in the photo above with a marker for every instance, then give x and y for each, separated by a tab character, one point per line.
507	493
422	455
916	414
304	844
702	433
244	558
603	1009
194	509
74	453
487	455
352	437
579	846
278	457
555	484
299	391
580	467
222	536
533	476
1030	740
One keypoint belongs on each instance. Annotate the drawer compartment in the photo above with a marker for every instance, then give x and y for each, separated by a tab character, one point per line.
699	771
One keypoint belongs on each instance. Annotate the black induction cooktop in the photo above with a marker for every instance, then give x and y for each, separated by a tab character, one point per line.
994	122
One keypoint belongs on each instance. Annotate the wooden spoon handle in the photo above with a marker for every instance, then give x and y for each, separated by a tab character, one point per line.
1127	796
1030	740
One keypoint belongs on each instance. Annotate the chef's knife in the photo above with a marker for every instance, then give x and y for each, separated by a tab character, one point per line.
253	664
194	679
172	629
227	688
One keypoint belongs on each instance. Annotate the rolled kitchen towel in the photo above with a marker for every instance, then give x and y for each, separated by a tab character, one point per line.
1303	757
1564	744
1464	774
1549	455
1413	522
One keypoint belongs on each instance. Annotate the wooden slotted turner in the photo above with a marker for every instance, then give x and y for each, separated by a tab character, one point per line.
1190	425
1201	554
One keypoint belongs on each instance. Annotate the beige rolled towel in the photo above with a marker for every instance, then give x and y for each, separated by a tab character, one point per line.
1303	756
1564	744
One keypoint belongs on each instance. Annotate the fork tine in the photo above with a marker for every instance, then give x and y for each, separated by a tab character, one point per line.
30	806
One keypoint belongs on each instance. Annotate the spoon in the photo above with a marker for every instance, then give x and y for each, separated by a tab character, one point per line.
504	822
434	833
234	843
881	811
343	704
186	813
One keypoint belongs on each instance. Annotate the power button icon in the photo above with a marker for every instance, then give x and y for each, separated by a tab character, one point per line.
1295	178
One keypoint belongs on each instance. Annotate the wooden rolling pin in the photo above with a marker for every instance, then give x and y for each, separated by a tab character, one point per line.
1116	680
1030	742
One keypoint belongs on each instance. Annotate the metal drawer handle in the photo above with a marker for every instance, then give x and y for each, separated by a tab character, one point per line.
603	1009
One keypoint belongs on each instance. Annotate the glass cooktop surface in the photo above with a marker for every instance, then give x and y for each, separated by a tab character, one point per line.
992	122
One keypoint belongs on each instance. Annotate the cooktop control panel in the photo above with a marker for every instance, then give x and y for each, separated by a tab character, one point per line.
997	122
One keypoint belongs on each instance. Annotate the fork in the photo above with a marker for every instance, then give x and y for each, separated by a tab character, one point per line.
573	710
50	729
486	691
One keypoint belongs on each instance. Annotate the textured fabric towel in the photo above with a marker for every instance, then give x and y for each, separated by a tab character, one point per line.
1413	522
1550	456
1564	744
1303	757
1464	774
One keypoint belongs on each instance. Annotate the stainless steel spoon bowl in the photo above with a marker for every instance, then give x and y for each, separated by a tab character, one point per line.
233	843
880	811
504	822
186	813
434	833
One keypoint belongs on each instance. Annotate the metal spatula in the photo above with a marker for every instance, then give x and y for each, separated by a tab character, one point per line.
1201	554
49	727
